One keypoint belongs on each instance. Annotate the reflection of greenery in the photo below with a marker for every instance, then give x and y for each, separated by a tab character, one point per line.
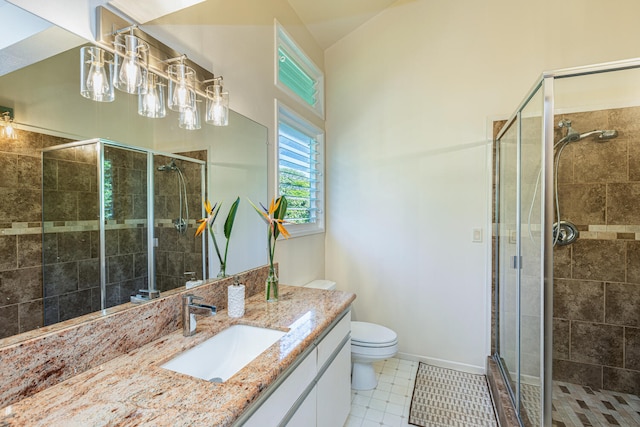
296	185
108	189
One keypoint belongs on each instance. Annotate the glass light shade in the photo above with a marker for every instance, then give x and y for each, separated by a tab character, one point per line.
131	63
7	130
96	71
151	102
190	117
181	87
217	112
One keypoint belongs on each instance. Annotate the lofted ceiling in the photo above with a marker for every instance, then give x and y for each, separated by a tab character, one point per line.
330	20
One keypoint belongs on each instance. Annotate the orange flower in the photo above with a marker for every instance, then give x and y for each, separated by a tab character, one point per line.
274	216
212	213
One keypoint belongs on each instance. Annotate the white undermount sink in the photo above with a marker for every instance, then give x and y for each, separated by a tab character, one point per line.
221	356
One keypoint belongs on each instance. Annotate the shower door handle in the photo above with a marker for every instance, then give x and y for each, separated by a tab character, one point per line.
516	262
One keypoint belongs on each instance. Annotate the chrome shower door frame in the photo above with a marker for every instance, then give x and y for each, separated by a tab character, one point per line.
546	84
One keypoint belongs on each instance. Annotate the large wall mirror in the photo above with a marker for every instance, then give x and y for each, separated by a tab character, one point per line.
48	265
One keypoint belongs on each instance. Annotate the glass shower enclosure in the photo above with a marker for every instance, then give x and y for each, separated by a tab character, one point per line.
117	220
567	244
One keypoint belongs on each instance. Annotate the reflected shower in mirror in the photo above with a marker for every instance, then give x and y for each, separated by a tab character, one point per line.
92	265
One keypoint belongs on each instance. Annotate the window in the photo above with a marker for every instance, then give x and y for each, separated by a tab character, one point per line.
108	189
300	171
297	74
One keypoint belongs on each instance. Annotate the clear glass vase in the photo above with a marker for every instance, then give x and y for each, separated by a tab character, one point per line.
222	273
271	286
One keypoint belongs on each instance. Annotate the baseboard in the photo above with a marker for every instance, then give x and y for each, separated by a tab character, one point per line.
463	367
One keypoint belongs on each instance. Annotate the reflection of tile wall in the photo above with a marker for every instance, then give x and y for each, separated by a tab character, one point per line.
597	278
21	304
126	247
177	253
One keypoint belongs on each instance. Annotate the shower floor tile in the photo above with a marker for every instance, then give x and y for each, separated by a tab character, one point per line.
578	406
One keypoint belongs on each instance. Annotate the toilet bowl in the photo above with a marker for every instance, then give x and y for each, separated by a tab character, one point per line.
369	343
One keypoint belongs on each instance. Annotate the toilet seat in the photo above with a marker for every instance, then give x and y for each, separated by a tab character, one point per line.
370	335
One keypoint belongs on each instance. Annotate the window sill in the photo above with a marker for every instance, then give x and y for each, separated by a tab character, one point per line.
301	230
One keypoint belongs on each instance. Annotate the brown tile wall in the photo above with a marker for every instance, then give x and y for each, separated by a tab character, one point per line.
21	302
177	253
597	278
72	266
70	281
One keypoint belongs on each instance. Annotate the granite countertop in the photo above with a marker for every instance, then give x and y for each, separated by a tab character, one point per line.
133	390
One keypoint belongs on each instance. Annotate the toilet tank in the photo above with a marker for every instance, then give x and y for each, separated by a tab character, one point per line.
321	284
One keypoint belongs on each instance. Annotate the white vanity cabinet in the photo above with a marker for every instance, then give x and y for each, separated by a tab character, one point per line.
317	390
334	391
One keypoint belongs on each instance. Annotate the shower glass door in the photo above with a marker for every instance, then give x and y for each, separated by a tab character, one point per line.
116	220
519	256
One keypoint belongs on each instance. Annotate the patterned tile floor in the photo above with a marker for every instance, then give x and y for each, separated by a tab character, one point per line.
389	403
578	406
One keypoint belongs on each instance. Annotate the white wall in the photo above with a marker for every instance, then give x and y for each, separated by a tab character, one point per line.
409	97
234	39
237	39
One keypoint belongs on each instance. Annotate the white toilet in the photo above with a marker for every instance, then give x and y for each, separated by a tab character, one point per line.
369	343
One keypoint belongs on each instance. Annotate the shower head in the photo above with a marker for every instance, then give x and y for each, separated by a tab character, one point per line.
573	136
171	166
602	135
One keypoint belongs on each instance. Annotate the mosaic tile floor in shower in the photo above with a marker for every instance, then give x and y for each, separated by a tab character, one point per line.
578	406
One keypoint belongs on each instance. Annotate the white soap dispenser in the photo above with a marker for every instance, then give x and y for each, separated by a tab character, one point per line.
235	299
192	282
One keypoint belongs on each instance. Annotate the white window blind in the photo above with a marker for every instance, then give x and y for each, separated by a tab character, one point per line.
300	169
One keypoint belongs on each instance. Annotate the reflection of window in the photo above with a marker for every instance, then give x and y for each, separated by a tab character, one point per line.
297	74
108	189
300	171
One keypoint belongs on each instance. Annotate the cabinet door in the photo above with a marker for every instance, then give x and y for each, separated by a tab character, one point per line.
305	416
275	408
334	390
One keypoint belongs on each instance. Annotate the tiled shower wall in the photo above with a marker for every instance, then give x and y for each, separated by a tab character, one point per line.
597	278
72	264
72	270
21	302
177	253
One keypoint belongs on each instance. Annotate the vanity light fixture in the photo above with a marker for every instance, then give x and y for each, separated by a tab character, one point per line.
131	61
6	122
151	100
182	90
96	70
144	66
217	112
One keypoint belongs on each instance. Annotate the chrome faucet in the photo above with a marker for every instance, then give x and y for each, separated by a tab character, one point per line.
189	311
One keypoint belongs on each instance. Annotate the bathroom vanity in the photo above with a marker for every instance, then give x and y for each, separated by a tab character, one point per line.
302	379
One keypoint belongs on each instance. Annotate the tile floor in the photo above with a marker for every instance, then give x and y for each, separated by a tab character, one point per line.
388	404
575	405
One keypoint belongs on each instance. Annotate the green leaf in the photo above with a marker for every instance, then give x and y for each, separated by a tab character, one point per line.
280	213
228	224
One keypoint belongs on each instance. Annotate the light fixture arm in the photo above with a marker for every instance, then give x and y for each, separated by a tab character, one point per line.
130	28
180	59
